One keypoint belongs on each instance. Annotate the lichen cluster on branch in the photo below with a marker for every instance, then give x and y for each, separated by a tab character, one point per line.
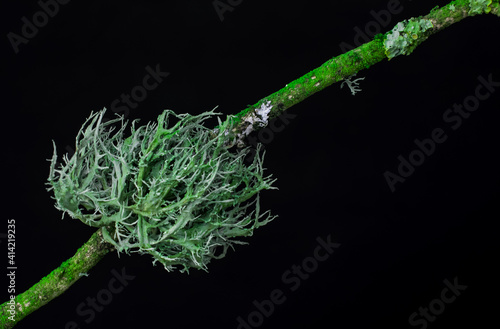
155	195
406	36
178	193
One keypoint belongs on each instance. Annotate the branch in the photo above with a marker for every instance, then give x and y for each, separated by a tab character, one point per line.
57	282
401	40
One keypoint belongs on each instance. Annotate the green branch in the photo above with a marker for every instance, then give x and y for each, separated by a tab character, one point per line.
57	282
401	40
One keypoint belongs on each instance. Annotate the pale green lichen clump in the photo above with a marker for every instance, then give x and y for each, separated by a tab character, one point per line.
478	7
406	36
177	193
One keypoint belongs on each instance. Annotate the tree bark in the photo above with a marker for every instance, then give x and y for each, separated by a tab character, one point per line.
57	282
345	65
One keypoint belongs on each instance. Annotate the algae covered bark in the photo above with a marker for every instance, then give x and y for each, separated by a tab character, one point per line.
410	34
57	282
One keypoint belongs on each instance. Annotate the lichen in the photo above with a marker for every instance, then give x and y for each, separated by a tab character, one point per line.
478	7
256	119
177	193
352	84
406	36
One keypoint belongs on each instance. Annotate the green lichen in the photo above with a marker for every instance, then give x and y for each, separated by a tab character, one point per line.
177	193
478	7
406	36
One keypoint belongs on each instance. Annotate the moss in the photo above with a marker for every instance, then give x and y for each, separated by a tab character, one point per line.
379	37
55	283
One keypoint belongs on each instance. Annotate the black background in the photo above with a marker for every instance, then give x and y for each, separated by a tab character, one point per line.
396	248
